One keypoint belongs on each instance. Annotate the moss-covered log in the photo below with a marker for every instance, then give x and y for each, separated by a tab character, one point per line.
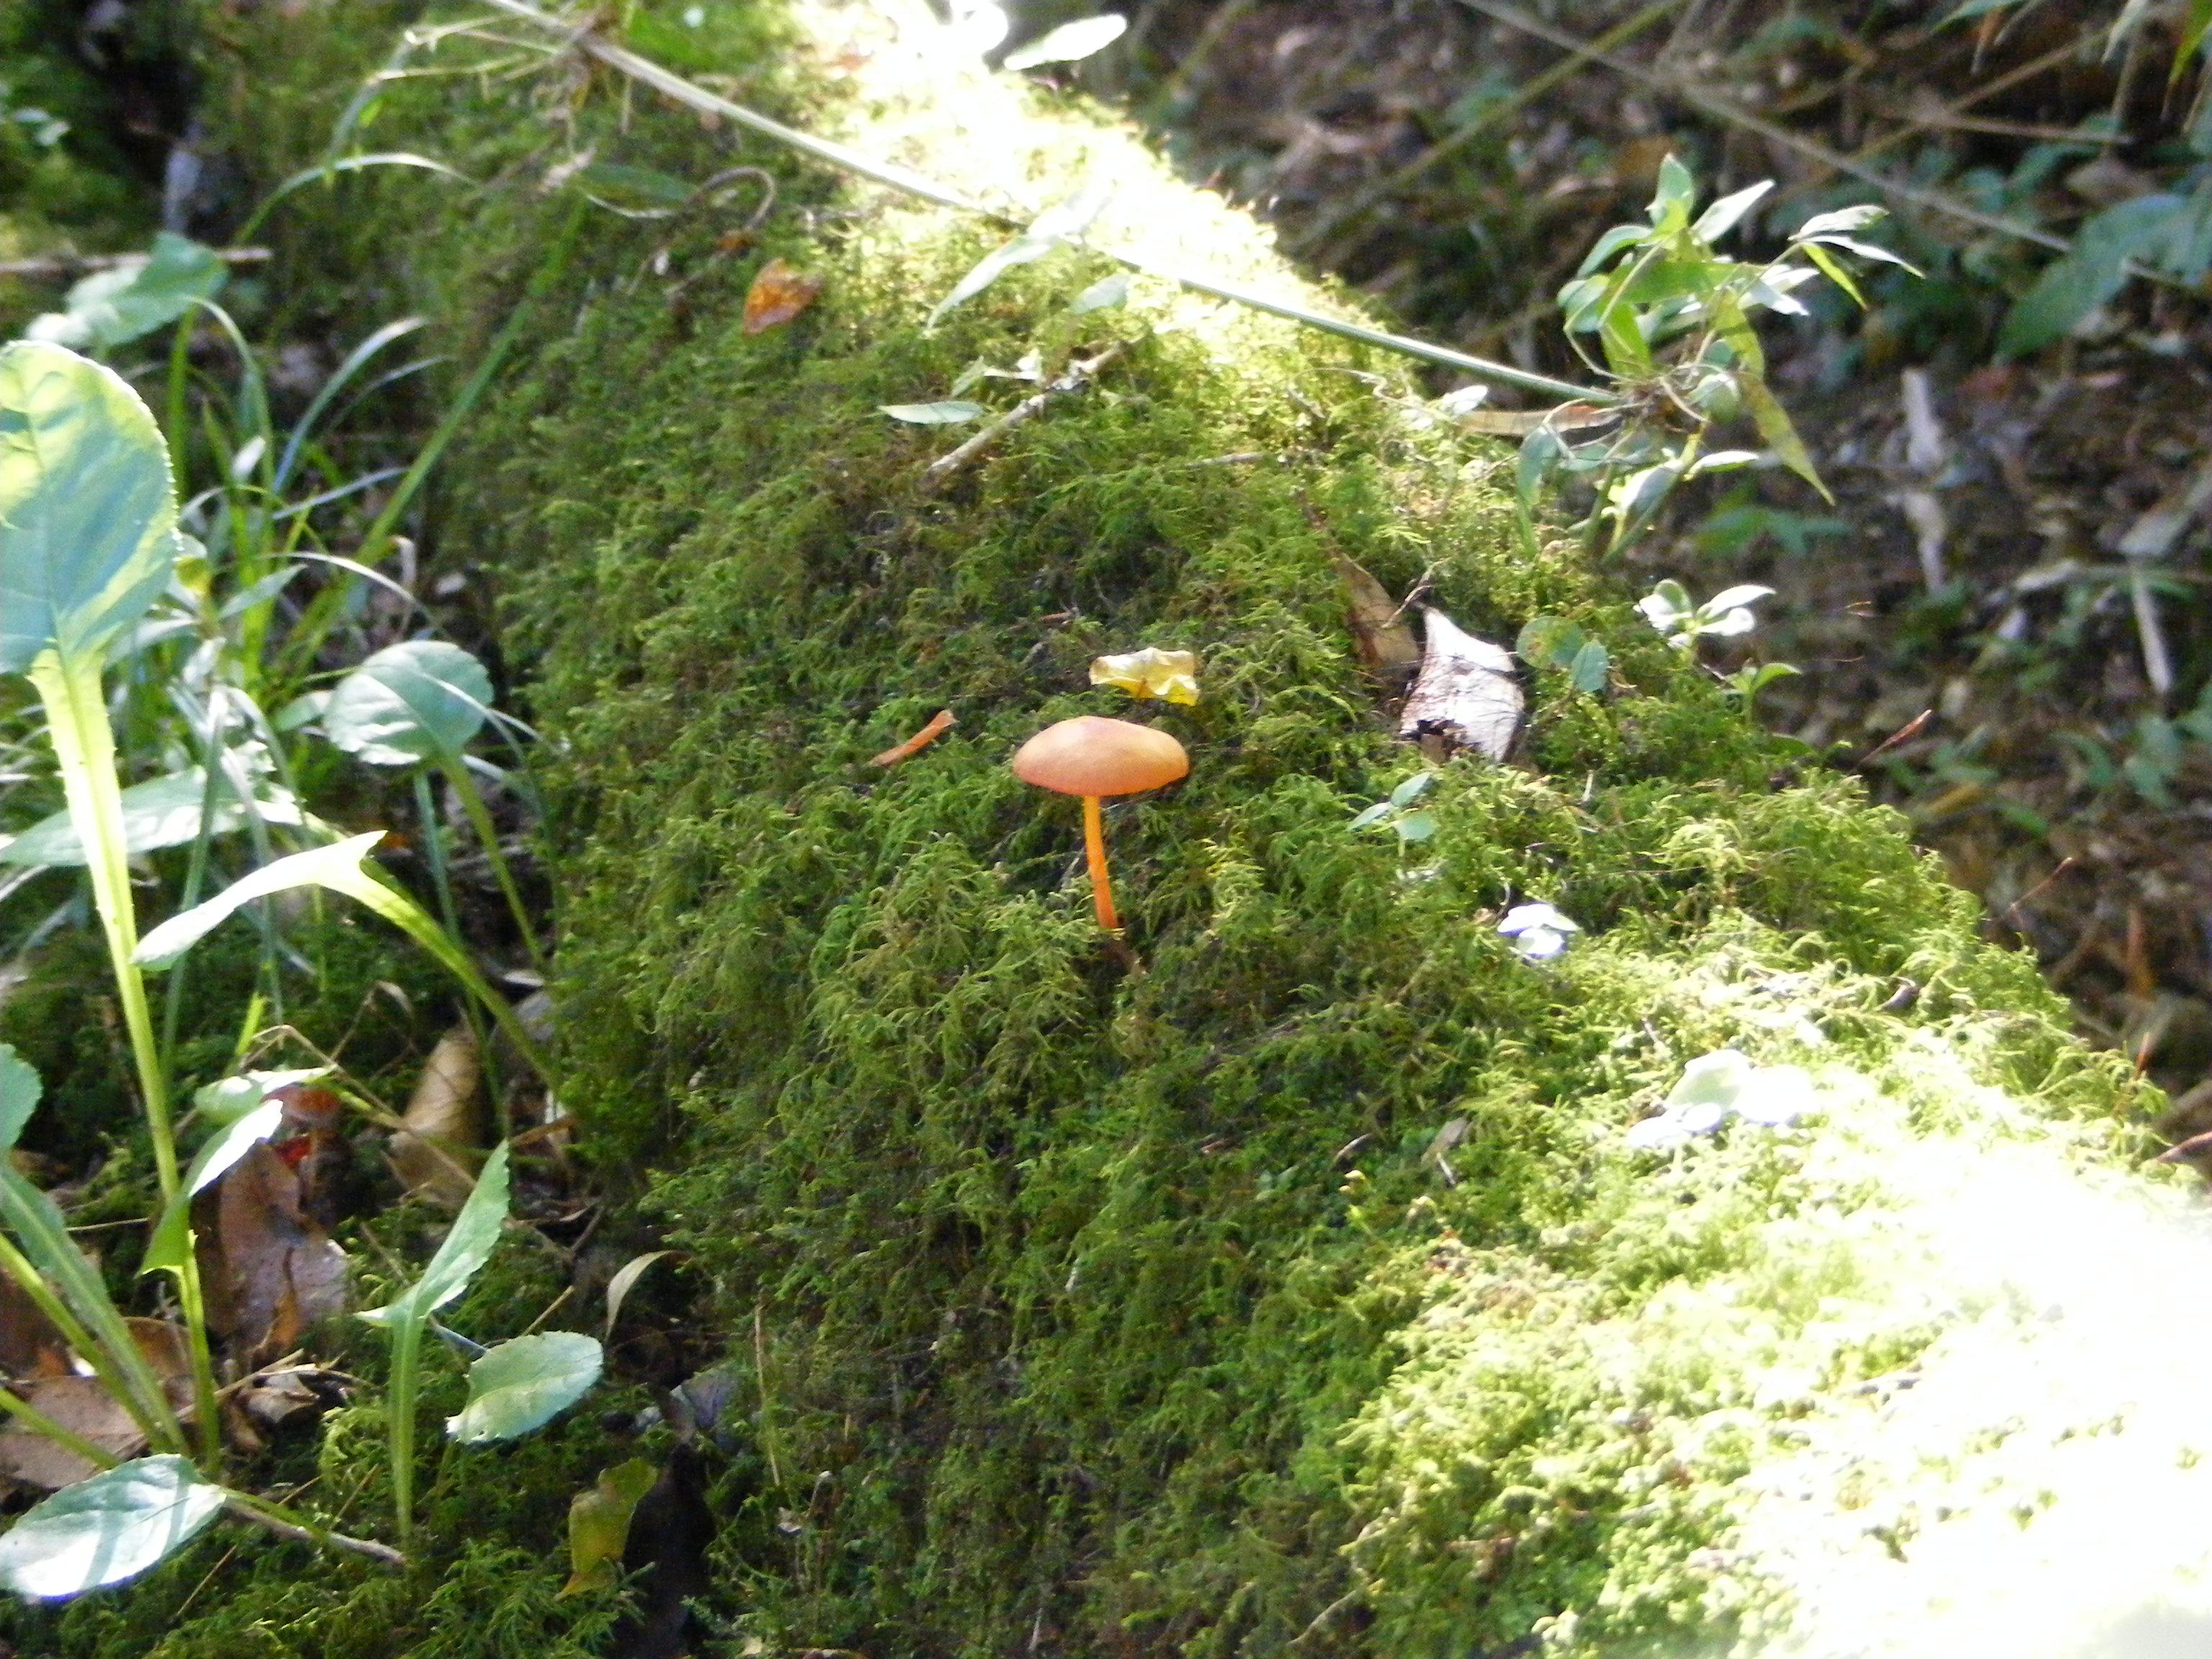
1098	1301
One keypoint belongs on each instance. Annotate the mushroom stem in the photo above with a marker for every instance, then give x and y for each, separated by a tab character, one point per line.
1094	844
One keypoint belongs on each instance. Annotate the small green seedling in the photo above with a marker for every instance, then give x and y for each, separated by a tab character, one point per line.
1670	609
417	705
1398	813
1555	642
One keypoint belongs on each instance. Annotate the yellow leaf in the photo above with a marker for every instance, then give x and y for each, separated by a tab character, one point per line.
599	1525
1171	676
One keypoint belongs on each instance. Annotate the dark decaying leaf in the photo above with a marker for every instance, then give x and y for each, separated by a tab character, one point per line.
669	1533
778	295
279	1272
1385	640
1467	695
274	1401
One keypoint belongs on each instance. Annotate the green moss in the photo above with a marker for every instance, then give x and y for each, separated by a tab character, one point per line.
1101	1306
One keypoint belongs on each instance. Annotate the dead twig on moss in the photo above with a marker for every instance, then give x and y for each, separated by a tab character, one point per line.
53	267
1078	377
670	85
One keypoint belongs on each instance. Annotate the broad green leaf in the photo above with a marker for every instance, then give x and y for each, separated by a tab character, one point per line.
20	1088
87	518
2197	24
1070	42
1108	292
1412	789
1834	269
1627	353
229	1099
951	411
1590	667
1723	215
163	811
2095	271
1054	227
337	866
1619	237
469	1245
1734	598
420	700
108	1529
1677	193
111	308
1416	828
1775	426
171	1242
524	1384
1841	221
598	1524
634	187
1368	818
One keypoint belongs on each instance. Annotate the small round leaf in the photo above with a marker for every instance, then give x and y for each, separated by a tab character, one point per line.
422	700
522	1385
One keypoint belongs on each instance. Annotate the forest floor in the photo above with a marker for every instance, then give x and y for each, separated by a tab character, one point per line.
1966	613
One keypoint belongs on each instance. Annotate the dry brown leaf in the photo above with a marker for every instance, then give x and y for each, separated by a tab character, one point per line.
29	1344
281	1270
778	295
83	1407
1467	695
940	724
1386	642
435	1155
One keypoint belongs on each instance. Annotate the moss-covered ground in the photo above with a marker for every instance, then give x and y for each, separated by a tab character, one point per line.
1092	1302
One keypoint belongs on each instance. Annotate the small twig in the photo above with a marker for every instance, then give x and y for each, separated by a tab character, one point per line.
670	85
1077	379
2013	910
246	1509
1905	734
1353	215
52	267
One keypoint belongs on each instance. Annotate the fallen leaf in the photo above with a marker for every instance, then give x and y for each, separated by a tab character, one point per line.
669	1533
778	295
272	1401
1170	676
625	1281
598	1524
940	724
81	1404
1467	695
281	1270
29	1344
435	1155
1386	642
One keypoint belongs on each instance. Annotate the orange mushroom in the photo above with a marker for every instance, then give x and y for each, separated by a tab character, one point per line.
1093	758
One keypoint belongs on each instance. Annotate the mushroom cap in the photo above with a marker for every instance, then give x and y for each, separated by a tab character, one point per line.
1090	756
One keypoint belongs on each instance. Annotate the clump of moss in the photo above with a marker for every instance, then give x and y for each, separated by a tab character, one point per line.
1291	1281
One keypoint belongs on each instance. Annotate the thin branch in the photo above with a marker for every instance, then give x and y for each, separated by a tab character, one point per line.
53	267
1354	214
242	1508
1721	109
673	86
1078	377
